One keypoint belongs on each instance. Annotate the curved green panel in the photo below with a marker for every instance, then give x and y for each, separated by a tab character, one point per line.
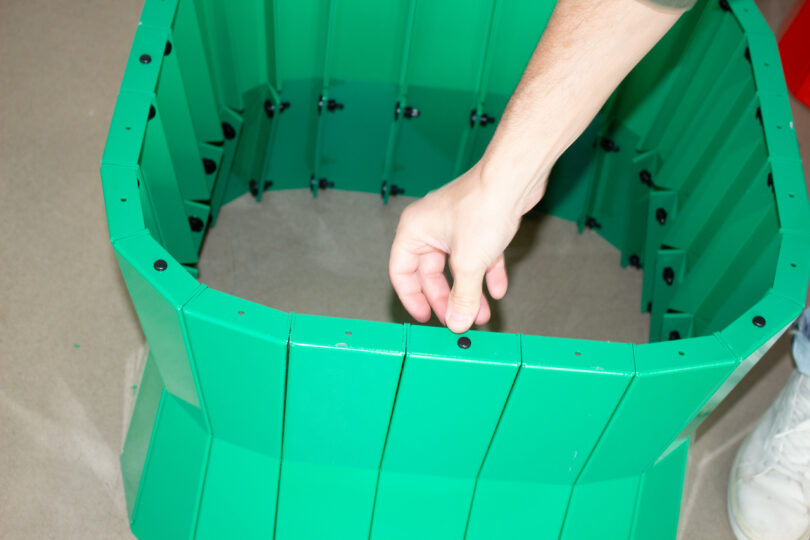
342	381
447	407
564	395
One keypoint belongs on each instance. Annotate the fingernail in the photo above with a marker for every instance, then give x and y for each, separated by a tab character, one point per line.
455	319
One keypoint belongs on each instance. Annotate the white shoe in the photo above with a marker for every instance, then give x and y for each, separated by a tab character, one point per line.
769	486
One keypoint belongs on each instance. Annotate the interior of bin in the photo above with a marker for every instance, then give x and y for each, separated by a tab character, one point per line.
403	97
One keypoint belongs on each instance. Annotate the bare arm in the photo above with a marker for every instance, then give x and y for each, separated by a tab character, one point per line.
588	47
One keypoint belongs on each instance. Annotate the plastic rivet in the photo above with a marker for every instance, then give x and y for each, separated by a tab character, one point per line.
209	165
464	342
669	275
635	261
608	145
661	216
645	177
161	265
254	188
145	59
195	223
228	131
759	321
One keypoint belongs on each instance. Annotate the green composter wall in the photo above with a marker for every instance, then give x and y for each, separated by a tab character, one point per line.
254	423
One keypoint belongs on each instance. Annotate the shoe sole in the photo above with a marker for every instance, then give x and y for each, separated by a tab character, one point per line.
735	528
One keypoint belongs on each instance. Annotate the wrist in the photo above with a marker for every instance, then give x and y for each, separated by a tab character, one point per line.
517	184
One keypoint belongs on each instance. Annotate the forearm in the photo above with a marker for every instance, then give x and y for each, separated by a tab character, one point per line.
588	47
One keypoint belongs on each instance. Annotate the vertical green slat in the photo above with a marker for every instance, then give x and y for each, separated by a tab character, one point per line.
441	76
659	498
248	162
158	297
791	194
200	211
219	52
563	397
226	164
187	44
731	276
401	100
363	79
638	100
301	34
240	354
447	407
470	135
323	100
122	201
702	215
696	45
793	264
167	202
666	201
173	479
693	154
139	431
341	385
726	40
673	381
172	103
669	273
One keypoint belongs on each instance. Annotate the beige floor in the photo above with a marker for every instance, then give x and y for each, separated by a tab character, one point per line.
69	338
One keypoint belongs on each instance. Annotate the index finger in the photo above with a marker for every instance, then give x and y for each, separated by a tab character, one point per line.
403	267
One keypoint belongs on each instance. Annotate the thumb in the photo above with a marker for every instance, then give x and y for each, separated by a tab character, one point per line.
464	300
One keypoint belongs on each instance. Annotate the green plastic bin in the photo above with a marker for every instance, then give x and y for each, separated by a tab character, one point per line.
254	423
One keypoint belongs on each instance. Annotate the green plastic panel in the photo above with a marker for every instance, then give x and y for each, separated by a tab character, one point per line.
678	377
570	388
254	423
447	407
239	344
342	381
167	505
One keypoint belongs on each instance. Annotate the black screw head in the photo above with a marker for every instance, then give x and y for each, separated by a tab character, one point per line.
145	59
152	112
635	260
759	321
195	223
608	145
464	342
160	265
669	275
268	184
228	131
168	49
674	335
210	165
269	108
661	216
254	188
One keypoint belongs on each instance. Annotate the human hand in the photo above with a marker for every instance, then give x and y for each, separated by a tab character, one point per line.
471	222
